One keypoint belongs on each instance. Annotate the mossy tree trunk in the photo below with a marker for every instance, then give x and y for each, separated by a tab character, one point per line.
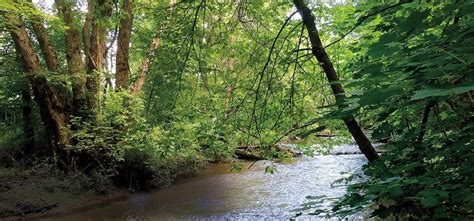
51	107
122	72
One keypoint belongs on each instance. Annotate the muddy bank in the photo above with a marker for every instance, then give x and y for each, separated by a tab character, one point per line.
26	193
45	190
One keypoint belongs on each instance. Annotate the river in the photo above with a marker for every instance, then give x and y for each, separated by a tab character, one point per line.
217	193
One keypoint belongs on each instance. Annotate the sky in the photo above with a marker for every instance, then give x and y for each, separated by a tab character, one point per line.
47	5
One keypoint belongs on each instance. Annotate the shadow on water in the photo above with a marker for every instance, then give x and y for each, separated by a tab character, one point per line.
217	193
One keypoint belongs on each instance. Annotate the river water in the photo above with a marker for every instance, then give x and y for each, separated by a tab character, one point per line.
217	193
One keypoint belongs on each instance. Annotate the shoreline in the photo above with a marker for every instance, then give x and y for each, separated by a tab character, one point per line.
23	196
55	195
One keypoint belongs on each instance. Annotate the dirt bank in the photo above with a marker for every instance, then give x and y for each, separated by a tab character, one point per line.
27	193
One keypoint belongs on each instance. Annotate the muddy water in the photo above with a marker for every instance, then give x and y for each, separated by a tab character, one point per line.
217	193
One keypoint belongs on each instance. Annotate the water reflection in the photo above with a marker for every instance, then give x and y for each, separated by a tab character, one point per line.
219	194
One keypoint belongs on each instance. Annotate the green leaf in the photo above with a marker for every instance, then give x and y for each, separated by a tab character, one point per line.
270	169
377	96
432	197
415	20
380	48
441	92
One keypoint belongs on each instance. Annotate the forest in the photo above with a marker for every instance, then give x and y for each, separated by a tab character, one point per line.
236	109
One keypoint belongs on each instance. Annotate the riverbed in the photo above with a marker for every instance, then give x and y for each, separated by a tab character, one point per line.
297	189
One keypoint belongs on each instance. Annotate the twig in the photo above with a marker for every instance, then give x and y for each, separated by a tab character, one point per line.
196	15
254	117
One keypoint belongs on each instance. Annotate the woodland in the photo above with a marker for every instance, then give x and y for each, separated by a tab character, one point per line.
134	94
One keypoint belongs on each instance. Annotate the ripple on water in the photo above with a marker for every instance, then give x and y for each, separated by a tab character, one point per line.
248	195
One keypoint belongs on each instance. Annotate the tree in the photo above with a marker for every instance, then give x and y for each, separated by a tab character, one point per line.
122	72
51	107
319	52
51	96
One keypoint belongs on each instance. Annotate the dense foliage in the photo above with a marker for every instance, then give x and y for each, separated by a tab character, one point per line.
198	79
414	76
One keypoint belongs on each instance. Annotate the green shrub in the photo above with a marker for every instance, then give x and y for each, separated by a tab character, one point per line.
122	146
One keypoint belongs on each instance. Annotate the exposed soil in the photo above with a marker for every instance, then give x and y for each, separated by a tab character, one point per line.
32	193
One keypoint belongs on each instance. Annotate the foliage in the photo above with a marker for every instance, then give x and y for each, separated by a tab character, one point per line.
122	146
230	75
423	48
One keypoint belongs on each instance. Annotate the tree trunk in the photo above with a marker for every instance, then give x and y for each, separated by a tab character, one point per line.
86	28
47	48
28	129
50	57
471	100
318	51
122	72
74	59
51	108
95	55
138	84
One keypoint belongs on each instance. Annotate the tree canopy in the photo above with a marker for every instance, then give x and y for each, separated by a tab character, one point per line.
140	90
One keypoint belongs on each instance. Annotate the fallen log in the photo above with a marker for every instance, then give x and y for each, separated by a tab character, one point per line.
251	152
325	135
247	155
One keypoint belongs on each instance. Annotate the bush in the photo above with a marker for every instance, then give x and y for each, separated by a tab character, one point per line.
428	178
11	142
123	147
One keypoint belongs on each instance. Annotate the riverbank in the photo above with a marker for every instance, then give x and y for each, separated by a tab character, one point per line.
44	190
27	193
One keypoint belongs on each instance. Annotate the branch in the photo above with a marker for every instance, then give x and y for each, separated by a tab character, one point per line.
155	42
46	46
307	124
265	67
196	15
424	121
